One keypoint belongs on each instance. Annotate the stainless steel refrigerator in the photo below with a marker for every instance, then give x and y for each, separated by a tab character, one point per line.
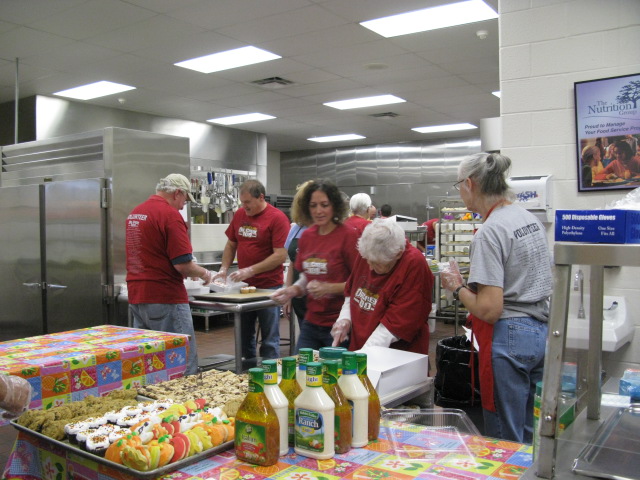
63	206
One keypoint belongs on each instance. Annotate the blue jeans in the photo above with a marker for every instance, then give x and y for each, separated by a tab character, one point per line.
164	317
269	321
314	336
518	359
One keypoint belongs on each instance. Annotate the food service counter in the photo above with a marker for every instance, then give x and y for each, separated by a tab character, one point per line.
485	458
68	366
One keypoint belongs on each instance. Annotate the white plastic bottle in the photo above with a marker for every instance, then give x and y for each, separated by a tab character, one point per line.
315	411
358	398
278	401
305	355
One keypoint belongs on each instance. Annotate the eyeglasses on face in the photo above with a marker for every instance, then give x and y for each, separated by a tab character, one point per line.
457	184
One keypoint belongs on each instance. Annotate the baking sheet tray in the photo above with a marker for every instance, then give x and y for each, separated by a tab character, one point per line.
235	297
121	468
614	451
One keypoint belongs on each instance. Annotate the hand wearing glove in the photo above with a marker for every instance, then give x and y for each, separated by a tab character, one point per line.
207	278
242	274
341	329
316	289
450	277
284	295
15	395
221	276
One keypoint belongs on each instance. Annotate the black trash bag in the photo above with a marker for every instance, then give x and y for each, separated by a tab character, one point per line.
453	377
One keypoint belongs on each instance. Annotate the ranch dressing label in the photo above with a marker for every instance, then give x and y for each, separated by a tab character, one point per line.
309	430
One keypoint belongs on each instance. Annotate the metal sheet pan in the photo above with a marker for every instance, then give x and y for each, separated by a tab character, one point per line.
121	468
614	451
235	297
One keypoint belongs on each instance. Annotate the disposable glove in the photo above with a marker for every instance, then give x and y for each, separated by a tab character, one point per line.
283	295
340	331
451	277
221	276
242	274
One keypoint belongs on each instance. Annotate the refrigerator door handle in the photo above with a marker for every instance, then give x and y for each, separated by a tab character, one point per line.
33	285
53	286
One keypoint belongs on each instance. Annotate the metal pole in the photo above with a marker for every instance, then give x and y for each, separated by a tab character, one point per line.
17	96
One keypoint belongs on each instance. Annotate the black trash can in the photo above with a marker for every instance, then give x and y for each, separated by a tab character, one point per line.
452	383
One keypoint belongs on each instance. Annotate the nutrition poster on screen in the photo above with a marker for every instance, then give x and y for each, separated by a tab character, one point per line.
608	112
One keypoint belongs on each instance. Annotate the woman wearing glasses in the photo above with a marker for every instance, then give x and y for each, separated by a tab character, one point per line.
507	296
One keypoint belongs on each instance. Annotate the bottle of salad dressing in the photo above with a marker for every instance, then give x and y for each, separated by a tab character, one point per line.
358	398
305	355
278	401
315	417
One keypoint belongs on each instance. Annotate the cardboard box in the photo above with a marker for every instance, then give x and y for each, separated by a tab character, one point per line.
391	370
598	226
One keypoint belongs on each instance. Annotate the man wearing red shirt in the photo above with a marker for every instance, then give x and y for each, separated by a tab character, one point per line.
159	257
257	234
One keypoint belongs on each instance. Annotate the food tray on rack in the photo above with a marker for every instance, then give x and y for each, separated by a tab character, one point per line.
430	433
74	449
614	451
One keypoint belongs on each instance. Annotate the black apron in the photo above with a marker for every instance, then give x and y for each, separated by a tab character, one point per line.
299	304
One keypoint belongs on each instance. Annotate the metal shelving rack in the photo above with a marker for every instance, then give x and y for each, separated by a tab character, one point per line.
453	241
556	457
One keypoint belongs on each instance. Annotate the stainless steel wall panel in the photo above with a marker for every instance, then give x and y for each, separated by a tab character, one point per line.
346	167
367	161
409	163
432	164
326	164
289	176
307	167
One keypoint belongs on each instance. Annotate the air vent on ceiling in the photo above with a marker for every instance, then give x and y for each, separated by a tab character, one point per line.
273	82
384	114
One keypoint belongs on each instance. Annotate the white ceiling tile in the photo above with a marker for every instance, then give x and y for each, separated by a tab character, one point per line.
23	42
25	12
92	18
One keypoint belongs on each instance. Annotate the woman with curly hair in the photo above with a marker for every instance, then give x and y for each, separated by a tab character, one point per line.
326	254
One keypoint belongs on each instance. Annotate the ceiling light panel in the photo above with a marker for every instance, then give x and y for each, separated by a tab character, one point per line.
336	138
365	102
94	90
238	57
444	128
236	119
431	18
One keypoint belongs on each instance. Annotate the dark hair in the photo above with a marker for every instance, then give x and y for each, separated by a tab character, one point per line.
625	148
489	172
385	210
254	187
333	194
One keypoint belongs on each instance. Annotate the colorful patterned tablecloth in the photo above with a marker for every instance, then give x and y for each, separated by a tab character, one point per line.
478	459
67	366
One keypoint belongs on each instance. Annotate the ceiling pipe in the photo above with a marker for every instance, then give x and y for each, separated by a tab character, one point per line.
17	95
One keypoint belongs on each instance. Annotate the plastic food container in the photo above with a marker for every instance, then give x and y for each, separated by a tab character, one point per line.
430	434
228	287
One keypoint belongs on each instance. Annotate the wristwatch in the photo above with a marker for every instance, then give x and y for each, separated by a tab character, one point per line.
456	292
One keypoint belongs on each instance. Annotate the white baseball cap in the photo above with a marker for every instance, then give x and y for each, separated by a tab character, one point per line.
179	181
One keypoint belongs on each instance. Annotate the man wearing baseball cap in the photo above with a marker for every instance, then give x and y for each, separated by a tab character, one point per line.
159	257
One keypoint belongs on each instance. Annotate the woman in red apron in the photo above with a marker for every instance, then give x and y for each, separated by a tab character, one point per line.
507	296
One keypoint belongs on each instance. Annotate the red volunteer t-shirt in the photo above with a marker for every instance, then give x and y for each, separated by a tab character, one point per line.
326	258
359	223
155	234
256	237
400	300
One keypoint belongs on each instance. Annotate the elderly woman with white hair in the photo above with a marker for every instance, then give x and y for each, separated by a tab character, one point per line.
359	206
388	295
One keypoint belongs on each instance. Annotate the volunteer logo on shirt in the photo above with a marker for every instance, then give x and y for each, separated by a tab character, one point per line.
365	299
315	266
248	231
135	218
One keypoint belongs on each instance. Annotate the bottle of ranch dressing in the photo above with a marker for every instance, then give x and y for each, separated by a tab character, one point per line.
358	398
314	433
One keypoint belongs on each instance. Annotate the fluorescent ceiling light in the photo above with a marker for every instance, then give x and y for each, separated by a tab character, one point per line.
365	102
238	57
94	90
497	93
431	18
336	138
246	118
444	128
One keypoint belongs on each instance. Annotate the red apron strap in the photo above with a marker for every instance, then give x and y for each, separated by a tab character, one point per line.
483	333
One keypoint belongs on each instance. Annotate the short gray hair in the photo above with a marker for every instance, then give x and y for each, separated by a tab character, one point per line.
489	170
164	186
359	203
382	240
